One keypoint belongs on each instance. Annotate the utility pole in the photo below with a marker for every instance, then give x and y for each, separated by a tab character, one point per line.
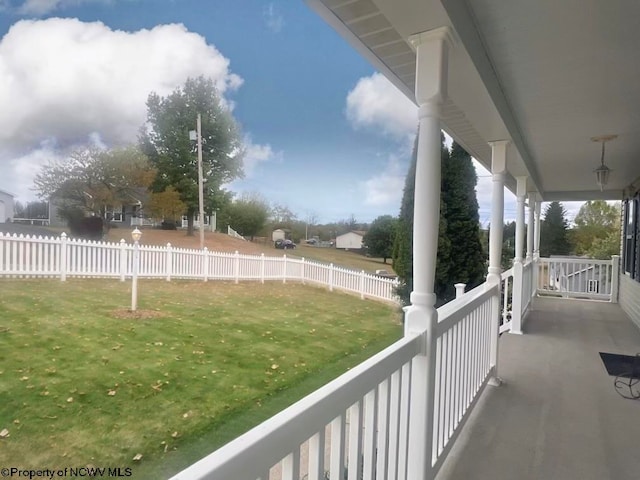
200	181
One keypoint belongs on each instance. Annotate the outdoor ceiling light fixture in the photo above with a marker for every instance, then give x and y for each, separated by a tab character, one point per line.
602	172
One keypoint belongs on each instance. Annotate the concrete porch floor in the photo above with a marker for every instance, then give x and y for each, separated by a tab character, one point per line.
557	415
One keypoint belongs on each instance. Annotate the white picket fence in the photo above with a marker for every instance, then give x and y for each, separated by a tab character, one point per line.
62	257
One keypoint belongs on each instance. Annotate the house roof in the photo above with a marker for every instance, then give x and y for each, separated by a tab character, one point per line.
519	71
7	193
357	232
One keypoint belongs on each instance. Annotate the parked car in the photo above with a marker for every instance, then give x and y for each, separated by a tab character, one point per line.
386	274
284	244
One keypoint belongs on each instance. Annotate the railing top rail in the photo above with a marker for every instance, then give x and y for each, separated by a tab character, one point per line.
454	311
272	440
591	261
507	273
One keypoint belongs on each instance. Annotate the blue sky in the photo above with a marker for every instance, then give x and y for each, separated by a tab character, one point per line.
325	135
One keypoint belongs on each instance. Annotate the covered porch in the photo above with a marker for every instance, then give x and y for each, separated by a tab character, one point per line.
557	414
526	88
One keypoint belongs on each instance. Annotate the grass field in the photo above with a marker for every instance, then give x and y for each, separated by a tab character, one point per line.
343	258
83	382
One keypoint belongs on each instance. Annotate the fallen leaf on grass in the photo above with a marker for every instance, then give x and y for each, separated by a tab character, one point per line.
138	457
70	399
111	393
175	434
4	433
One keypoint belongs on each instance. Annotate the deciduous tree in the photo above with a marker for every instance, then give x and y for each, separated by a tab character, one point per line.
380	236
92	181
166	205
597	229
165	139
248	214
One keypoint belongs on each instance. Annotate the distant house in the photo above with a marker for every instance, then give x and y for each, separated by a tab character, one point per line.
278	234
129	213
350	240
6	207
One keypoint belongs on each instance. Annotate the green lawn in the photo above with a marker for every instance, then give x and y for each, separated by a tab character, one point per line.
343	258
81	382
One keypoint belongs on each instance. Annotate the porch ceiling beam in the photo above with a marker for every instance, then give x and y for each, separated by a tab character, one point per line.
582	195
465	26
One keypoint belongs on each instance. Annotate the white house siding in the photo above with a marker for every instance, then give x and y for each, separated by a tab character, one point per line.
278	234
629	298
349	240
6	207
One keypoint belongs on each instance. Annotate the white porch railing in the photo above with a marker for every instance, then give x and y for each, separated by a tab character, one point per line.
359	423
506	300
360	420
25	256
579	278
516	296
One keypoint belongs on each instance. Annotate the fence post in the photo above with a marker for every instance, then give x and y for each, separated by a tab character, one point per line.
236	267
262	268
361	284
123	259
169	262
63	257
331	277
205	264
303	272
516	299
615	276
284	268
460	289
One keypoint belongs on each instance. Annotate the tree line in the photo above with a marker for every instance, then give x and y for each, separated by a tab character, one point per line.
463	246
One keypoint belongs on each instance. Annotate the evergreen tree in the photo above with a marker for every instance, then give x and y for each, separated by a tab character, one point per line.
554	234
403	244
459	181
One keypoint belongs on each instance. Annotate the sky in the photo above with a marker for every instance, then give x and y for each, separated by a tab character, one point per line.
325	135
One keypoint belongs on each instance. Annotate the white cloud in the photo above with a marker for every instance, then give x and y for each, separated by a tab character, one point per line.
385	188
256	154
63	81
375	103
273	18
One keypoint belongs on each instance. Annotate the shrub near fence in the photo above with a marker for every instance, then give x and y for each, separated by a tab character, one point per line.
62	257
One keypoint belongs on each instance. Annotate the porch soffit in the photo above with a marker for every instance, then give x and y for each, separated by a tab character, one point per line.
379	33
547	75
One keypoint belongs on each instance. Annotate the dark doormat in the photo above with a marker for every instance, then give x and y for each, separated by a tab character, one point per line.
621	365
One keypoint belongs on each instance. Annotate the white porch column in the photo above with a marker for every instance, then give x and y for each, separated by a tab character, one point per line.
530	227
536	244
521	192
421	317
517	300
498	169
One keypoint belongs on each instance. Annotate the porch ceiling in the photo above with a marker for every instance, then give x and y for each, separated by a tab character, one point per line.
547	75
